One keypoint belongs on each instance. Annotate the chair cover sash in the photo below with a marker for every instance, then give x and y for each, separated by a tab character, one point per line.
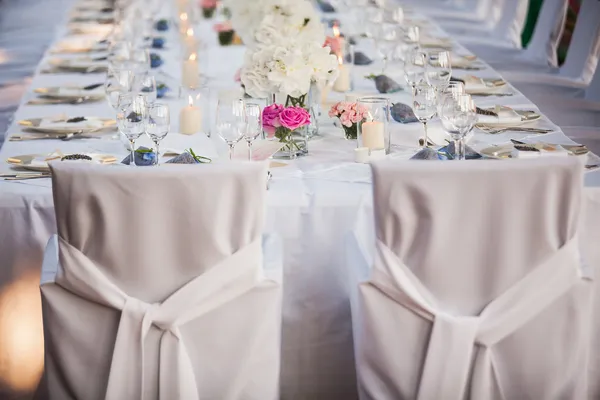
222	283
450	352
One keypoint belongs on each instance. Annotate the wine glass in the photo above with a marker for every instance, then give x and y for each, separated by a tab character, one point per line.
145	85
231	122
458	115
387	40
438	69
454	88
119	81
254	126
424	105
140	59
157	124
414	68
131	114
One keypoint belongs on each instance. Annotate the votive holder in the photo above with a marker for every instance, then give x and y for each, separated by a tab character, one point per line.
373	129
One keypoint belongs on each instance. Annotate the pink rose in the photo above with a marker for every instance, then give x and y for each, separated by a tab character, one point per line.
208	3
223	27
294	117
270	117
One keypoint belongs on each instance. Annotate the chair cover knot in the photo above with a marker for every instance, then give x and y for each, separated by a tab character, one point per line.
451	352
224	282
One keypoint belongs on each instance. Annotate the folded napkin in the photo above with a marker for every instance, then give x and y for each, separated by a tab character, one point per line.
74	123
403	113
505	116
462	62
360	59
532	150
427	154
385	84
475	85
431	42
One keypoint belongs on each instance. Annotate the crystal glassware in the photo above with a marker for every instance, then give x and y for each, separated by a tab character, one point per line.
438	69
158	123
231	121
454	88
254	125
373	129
387	41
131	114
424	105
145	85
119	81
414	68
458	115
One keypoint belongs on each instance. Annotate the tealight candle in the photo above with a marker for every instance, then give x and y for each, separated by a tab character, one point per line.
342	83
373	134
361	155
190	118
190	74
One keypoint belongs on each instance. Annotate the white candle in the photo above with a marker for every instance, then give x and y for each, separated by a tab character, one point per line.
373	135
351	98
361	155
189	42
190	74
342	83
190	119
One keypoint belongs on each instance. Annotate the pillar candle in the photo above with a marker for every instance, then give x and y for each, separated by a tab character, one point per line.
190	119
373	134
190	75
342	83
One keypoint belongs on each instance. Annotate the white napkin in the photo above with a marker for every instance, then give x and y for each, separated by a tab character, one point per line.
431	41
91	28
458	61
506	116
75	126
474	84
547	151
78	92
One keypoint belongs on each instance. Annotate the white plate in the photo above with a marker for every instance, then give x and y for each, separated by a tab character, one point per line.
61	126
39	162
78	45
78	64
70	92
90	28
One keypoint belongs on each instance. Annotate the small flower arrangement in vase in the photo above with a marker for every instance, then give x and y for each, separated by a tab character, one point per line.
349	114
226	33
208	8
285	123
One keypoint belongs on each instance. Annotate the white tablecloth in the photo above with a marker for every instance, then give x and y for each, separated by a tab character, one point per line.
313	202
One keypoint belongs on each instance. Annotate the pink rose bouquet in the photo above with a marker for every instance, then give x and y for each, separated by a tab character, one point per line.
208	8
349	114
283	122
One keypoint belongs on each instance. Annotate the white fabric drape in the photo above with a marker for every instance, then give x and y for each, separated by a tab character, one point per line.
454	339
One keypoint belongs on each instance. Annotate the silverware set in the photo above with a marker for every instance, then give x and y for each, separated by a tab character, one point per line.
64	137
493	131
24	175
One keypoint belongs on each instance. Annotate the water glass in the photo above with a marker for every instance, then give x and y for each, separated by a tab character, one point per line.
119	81
386	42
414	68
424	105
145	85
231	121
254	126
158	124
438	69
131	115
458	115
453	89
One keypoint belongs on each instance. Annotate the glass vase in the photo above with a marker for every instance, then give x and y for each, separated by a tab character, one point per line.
296	142
351	132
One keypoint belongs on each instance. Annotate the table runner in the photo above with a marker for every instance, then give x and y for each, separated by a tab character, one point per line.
312	203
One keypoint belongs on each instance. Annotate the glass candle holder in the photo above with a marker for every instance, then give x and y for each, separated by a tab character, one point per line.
373	129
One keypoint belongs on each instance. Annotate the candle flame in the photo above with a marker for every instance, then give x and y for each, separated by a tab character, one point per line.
192	57
190	32
340	59
336	31
183	16
190	101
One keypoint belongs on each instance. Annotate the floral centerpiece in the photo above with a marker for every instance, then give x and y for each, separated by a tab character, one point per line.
349	114
208	8
283	122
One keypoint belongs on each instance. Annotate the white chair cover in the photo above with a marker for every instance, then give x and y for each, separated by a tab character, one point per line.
155	283
475	276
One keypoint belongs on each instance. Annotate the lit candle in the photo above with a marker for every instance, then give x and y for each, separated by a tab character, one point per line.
189	41
336	34
373	135
190	118
342	83
183	23
190	74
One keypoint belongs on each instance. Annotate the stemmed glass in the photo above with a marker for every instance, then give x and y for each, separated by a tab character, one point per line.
414	68
131	114
119	81
424	105
157	124
231	122
459	116
145	85
386	42
438	69
453	89
254	126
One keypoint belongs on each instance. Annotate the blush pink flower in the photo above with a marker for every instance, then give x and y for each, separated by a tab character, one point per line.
270	116
334	43
223	27
208	3
294	118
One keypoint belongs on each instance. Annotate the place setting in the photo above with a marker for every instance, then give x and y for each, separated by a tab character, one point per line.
68	94
63	128
74	44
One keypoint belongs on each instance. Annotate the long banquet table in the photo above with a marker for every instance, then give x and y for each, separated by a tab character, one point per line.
313	202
